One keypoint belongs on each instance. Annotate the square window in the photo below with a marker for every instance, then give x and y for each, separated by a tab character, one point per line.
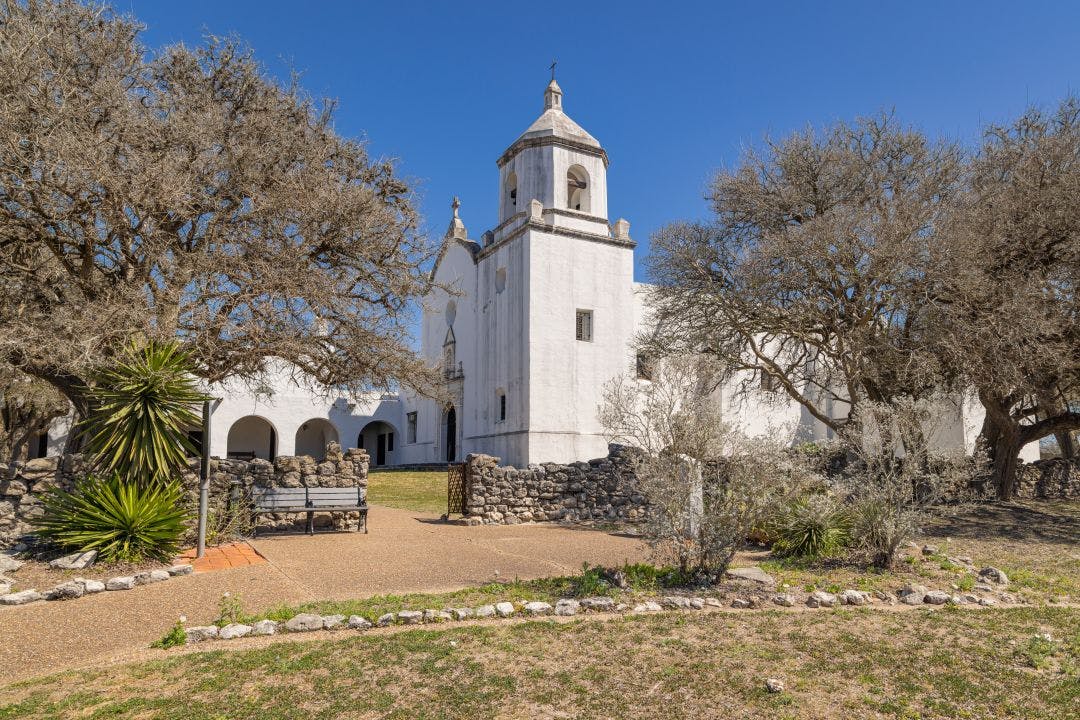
584	325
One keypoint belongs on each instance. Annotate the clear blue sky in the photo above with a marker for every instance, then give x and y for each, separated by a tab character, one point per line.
673	90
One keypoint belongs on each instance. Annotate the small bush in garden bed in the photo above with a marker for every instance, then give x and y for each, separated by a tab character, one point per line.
175	637
811	527
123	521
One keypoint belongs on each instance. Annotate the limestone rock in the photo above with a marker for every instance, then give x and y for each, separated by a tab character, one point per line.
754	574
600	603
66	591
697	603
485	611
357	622
124	582
820	598
9	564
461	613
410	617
985	602
5	587
329	622
913	594
386	619
538	608
566	607
504	609
854	597
648	606
929	549
21	598
886	597
713	602
677	601
151	576
264	627
936	597
741	603
994	575
177	570
91	586
201	633
75	561
304	622
774	686
234	630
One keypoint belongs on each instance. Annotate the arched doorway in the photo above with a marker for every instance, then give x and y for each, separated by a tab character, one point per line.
252	437
379	439
450	424
313	436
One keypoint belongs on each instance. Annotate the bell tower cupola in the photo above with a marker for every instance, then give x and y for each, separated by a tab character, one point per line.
556	162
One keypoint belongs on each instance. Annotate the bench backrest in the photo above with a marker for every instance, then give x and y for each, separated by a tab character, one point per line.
315	497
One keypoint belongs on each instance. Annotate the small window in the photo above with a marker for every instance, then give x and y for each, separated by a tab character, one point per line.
500	398
584	325
410	427
644	367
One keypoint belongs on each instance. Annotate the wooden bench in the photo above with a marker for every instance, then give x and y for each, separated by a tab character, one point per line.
307	500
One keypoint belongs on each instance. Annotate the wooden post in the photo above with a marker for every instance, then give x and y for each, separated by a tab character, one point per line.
204	480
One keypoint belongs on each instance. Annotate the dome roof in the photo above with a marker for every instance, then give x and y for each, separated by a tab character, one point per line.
555	123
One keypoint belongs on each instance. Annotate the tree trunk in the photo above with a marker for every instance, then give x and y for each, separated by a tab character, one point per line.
1006	457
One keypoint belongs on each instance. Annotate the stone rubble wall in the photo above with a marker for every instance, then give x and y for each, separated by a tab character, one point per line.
602	489
22	484
1052	478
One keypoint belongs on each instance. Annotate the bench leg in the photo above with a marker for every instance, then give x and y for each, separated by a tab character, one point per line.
311	523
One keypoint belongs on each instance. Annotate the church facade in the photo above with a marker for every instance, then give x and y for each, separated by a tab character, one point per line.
527	323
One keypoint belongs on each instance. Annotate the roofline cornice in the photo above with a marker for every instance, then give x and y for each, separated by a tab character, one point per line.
524	143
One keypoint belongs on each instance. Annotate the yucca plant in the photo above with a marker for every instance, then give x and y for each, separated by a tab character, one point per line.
123	521
811	527
142	409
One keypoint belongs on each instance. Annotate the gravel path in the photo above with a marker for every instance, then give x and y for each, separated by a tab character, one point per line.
403	552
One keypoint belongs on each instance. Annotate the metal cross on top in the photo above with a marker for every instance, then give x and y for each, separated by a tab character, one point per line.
553	64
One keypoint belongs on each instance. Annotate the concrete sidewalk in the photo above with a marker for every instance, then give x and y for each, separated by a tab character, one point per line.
403	552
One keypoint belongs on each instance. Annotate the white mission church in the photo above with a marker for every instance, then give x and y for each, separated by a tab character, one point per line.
544	312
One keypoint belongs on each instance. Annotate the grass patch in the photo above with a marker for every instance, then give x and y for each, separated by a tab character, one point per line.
918	664
416	491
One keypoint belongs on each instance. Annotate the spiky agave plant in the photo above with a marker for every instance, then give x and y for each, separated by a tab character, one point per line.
123	521
142	410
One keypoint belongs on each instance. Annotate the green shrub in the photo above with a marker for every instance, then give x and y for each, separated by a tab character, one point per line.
142	410
175	637
123	521
590	582
811	527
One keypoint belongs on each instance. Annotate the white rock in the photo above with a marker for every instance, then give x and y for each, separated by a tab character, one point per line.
504	609
987	602
713	602
410	617
485	611
784	600
600	603
304	622
386	619
75	561
566	607
774	686
125	582
66	591
329	622
913	594
5	587
820	598
994	575
648	606
936	597
462	613
9	564
357	622
538	608
234	630
854	597
151	576
264	627
677	601
91	586
697	603
754	574
21	598
201	633
176	570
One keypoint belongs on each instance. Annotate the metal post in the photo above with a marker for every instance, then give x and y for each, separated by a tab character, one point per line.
204	479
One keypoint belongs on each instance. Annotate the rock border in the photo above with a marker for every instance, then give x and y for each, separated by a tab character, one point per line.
600	605
78	587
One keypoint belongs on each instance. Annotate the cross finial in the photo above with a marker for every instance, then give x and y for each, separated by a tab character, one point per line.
552	68
455	205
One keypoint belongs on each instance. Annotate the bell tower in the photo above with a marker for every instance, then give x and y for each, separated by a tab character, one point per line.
556	162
